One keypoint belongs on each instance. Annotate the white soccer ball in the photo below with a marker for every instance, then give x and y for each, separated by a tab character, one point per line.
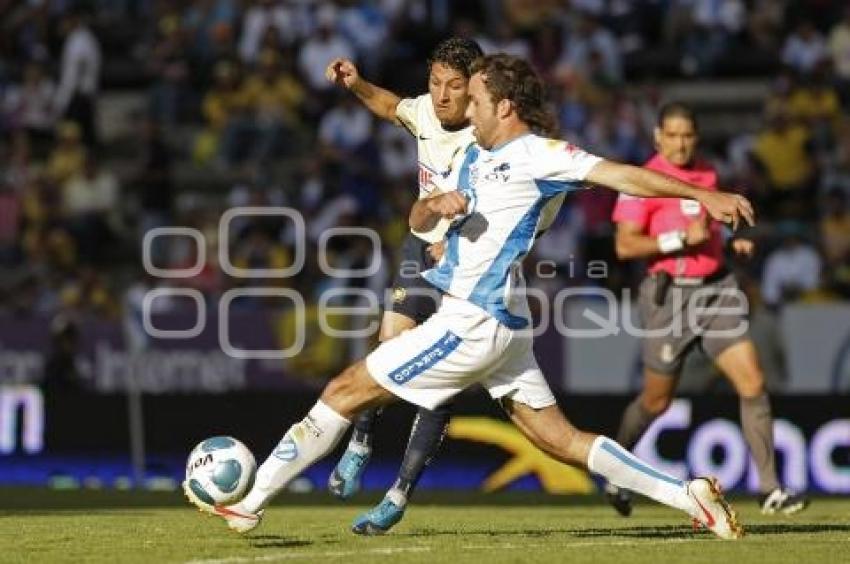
220	471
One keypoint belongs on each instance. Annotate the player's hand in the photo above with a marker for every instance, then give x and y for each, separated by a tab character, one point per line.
436	251
697	233
342	72
744	247
728	208
448	204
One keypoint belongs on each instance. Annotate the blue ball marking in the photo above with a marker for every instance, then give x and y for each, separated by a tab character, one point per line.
226	475
217	443
196	488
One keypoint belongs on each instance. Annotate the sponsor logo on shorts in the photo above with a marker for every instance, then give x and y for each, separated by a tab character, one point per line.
426	359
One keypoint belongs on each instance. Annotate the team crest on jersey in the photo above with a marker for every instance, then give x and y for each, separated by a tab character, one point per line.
399	294
499	173
690	207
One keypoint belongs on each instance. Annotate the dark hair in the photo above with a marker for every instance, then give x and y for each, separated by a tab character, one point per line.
677	109
456	53
511	78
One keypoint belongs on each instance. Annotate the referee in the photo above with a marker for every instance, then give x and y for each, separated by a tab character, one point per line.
684	248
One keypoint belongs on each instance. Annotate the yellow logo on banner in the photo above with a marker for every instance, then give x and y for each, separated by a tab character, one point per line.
554	476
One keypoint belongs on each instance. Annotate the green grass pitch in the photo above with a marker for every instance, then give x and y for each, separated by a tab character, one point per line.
126	527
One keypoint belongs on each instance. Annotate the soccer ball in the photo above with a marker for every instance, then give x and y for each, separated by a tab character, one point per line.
220	471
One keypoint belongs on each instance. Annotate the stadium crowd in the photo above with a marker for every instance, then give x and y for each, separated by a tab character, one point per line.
235	94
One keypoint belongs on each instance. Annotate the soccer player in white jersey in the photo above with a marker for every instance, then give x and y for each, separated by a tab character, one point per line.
438	122
480	331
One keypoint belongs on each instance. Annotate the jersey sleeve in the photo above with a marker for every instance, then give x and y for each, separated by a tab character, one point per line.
407	112
561	166
631	209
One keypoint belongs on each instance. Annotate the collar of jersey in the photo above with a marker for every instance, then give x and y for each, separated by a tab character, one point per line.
501	146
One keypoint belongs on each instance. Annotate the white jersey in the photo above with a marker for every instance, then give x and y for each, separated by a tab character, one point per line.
514	193
436	147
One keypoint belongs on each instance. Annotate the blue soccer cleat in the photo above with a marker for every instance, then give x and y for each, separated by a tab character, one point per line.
344	481
379	519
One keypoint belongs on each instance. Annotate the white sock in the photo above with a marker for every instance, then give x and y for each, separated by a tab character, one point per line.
302	445
396	496
625	470
359	448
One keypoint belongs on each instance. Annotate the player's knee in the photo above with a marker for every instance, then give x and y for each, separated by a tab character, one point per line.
346	384
752	386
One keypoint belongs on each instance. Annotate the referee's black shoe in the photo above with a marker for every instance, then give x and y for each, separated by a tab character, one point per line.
782	501
619	498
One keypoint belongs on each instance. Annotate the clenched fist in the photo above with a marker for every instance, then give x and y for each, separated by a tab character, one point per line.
342	72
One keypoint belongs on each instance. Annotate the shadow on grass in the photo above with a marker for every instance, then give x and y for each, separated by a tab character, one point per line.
277	541
639	532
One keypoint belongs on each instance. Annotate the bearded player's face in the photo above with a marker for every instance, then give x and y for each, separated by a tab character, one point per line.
448	94
482	112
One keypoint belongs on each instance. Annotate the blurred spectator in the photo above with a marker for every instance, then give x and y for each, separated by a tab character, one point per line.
791	270
816	104
835	229
505	40
344	127
765	23
169	65
321	48
282	19
364	23
546	49
208	23
10	225
88	292
91	209
76	96
223	105
398	152
783	151
68	156
837	170
273	99
153	180
593	48
815	101
839	49
29	105
717	24
804	49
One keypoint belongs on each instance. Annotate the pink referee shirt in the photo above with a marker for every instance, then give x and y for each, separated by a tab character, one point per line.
659	215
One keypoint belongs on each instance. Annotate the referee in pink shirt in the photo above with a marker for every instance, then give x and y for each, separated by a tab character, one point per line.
684	248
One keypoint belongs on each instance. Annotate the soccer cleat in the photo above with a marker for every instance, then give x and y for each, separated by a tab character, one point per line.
619	498
713	512
782	501
237	518
379	519
344	481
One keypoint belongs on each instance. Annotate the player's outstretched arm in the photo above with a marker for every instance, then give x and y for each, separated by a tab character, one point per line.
427	212
722	206
379	101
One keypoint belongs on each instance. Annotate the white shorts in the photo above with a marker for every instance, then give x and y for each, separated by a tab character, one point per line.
458	346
